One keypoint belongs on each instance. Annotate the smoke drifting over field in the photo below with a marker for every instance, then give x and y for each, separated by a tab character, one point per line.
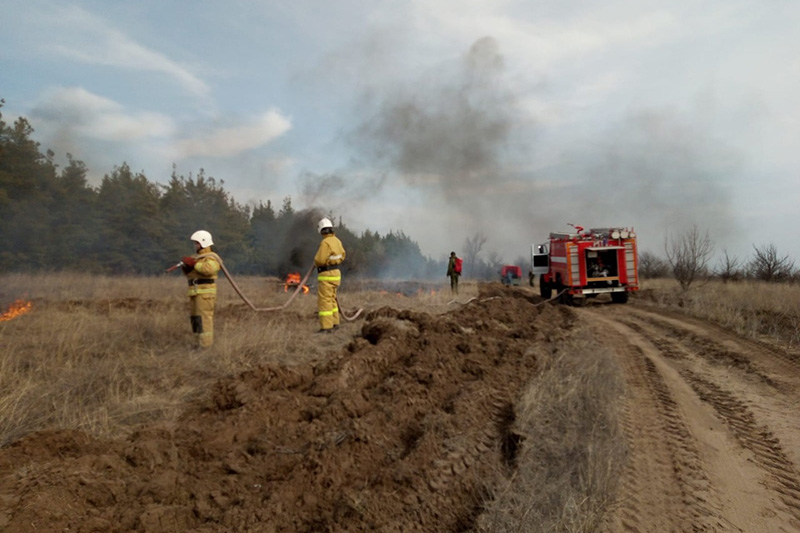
323	189
445	136
299	242
450	129
440	119
661	174
462	140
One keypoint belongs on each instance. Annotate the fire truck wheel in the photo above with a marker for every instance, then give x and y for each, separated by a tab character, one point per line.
545	289
619	297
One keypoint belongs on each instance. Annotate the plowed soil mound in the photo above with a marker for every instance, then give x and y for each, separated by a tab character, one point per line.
408	428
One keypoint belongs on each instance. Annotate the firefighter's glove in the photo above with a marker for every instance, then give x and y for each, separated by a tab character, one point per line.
187	264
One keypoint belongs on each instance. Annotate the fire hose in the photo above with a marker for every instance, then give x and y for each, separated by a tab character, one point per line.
474	298
263	309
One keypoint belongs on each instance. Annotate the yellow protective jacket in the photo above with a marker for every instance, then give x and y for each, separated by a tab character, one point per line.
330	252
206	268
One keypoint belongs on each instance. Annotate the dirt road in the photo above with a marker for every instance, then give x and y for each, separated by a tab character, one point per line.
712	421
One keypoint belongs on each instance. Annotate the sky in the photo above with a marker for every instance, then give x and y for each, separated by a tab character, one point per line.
445	120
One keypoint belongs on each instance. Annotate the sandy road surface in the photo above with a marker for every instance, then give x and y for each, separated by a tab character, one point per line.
712	421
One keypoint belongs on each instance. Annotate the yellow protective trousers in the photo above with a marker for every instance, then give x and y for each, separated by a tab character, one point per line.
201	314
327	285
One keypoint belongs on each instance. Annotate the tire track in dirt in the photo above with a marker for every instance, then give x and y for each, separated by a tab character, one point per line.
719	374
766	449
760	354
756	438
664	487
704	347
768	378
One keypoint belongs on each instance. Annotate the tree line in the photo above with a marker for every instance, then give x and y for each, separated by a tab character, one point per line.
53	220
688	257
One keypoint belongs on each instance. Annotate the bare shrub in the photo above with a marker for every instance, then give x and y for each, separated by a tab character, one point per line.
729	268
768	265
652	267
688	255
472	251
572	447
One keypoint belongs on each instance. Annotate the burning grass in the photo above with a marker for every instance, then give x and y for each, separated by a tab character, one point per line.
18	308
292	280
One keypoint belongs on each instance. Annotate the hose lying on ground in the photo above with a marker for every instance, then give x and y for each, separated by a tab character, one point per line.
279	307
553	299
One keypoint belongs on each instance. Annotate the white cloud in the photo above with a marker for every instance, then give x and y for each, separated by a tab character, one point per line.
77	34
232	141
541	41
93	116
278	165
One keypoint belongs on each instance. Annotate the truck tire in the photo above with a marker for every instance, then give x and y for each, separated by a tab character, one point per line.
619	297
564	296
567	298
577	301
545	289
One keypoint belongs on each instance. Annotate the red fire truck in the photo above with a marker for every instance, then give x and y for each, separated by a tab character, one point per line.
585	263
510	275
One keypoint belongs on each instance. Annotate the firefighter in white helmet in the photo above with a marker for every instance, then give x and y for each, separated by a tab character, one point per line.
330	255
201	270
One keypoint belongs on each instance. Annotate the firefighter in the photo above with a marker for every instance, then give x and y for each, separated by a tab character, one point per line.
201	270
330	255
598	269
453	272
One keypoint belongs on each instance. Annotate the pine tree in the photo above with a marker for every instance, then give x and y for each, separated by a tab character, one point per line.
191	204
27	179
262	239
131	234
74	218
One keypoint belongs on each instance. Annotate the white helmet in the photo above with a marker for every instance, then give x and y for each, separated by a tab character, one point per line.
203	237
324	223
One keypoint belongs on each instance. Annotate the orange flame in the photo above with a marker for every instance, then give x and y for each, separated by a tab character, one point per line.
293	280
19	307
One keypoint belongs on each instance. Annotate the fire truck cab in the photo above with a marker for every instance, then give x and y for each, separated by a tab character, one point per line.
585	263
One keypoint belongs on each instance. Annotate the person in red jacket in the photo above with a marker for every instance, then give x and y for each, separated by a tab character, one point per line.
454	271
201	270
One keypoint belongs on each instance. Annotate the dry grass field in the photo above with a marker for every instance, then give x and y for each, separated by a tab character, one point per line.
103	354
766	311
567	472
111	357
